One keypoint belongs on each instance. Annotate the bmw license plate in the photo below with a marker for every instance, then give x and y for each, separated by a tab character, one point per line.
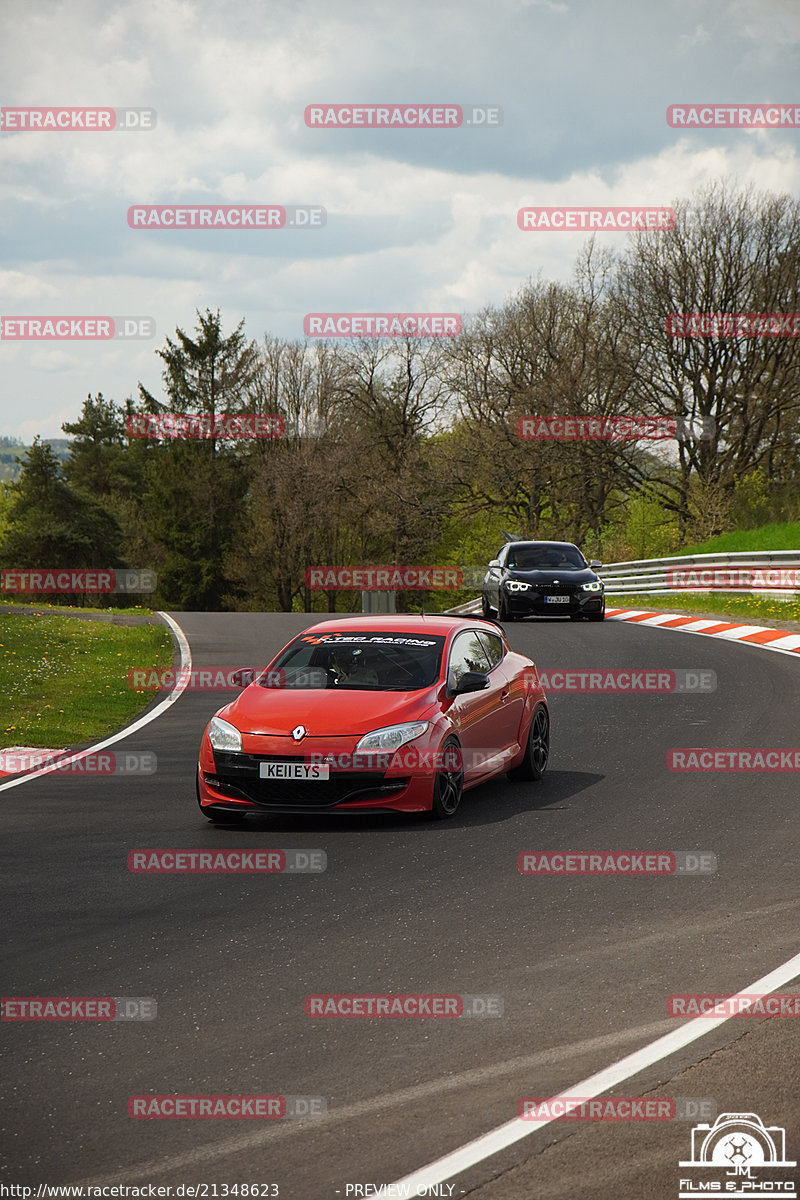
308	772
556	599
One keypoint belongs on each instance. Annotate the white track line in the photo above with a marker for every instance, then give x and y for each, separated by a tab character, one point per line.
180	687
498	1139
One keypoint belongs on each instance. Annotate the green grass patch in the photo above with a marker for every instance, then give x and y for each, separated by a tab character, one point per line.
65	681
766	537
13	600
737	607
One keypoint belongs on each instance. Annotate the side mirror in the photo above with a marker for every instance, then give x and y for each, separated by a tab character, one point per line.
495	562
594	563
471	681
242	677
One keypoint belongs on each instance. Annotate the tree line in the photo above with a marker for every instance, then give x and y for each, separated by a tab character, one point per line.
406	450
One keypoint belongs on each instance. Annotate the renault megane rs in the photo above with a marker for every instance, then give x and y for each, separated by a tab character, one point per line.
379	712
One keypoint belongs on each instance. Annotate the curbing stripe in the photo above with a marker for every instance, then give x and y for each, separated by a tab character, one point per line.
731	631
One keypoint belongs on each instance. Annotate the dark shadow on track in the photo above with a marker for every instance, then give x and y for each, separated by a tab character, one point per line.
477	808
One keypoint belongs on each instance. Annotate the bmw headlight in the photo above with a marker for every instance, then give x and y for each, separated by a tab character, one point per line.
595	586
516	585
223	735
392	737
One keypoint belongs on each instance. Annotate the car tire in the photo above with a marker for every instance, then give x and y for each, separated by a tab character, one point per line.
537	749
601	616
503	613
486	608
448	786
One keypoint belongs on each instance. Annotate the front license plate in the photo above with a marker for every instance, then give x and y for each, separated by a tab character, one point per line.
308	772
556	599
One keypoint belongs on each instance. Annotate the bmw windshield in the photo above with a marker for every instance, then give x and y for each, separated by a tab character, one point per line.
567	559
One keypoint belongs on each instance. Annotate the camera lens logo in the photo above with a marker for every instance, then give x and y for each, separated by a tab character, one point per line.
741	1150
736	1145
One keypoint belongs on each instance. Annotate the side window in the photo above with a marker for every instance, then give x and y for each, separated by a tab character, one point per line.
493	645
466	654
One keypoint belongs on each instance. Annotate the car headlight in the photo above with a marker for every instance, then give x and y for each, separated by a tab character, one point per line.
392	737
516	585
223	735
595	586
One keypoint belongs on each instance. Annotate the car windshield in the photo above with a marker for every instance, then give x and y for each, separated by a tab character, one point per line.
368	660
543	558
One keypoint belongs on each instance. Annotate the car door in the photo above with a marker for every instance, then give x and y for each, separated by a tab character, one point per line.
475	715
507	717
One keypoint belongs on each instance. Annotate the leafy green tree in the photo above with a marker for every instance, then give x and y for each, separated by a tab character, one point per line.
193	489
50	524
99	462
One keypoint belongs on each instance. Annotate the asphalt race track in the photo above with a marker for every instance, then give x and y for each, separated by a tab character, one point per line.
584	965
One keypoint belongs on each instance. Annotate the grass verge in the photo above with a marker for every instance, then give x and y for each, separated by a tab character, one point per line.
766	537
64	680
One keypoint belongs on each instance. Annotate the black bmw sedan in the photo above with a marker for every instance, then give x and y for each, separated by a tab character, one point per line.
547	579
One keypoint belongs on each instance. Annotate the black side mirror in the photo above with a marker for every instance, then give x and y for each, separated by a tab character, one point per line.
471	681
594	563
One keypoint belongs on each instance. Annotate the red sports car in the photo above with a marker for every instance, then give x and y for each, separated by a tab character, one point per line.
377	712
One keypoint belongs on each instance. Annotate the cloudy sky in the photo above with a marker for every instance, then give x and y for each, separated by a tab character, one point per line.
417	220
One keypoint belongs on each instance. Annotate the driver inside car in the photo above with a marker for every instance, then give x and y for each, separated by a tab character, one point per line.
348	666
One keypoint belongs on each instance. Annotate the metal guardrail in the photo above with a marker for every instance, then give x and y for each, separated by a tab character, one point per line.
772	572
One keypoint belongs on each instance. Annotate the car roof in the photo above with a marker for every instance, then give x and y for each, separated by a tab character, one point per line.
553	545
438	624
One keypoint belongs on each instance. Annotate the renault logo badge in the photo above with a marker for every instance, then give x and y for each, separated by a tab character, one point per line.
299	732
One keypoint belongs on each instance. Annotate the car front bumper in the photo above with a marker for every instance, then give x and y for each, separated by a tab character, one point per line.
542	604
